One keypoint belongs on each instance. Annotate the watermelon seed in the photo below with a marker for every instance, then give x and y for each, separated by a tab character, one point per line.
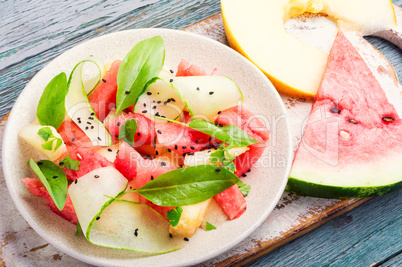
216	123
110	150
61	163
136	232
211	93
352	121
191	147
159	131
181	166
387	119
163	163
96	176
335	109
220	125
184	147
76	181
116	136
127	92
103	80
196	141
149	93
249	170
144	111
186	239
97	218
210	138
131	187
152	177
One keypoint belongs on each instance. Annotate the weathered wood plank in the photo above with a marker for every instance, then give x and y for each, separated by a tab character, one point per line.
364	236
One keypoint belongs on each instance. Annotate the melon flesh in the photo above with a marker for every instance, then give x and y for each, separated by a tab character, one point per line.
351	146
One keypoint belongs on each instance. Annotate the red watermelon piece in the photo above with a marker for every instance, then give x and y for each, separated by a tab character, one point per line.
88	159
351	146
249	123
103	97
232	202
134	167
72	135
181	139
145	134
36	188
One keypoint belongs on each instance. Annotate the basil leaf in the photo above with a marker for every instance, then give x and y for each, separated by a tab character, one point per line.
69	163
238	137
209	227
51	109
223	157
174	216
187	186
53	178
127	131
244	188
141	64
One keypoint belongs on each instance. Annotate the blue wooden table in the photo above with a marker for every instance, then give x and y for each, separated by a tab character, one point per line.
34	32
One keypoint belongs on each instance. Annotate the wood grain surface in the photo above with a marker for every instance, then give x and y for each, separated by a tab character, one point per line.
369	234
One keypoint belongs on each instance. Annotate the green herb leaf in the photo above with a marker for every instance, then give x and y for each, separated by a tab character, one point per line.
209	227
238	137
127	131
45	133
244	188
223	157
187	186
143	62
69	163
53	178
51	109
174	216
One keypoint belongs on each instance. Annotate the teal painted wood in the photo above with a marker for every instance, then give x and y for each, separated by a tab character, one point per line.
176	14
362	237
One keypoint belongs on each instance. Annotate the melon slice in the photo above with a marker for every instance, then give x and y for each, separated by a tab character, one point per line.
351	146
118	223
256	30
80	110
206	96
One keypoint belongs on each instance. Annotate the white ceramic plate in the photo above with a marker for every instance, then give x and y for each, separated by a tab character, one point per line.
267	179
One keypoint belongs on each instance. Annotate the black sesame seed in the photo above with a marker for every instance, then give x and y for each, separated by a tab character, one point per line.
165	103
96	176
335	109
186	239
163	163
144	111
171	80
181	166
156	152
163	116
54	177
154	107
211	93
72	140
61	163
159	131
138	134
352	121
219	112
175	147
86	128
198	88
216	123
76	181
169	100
97	218
145	105
217	170
210	139
388	119
79	119
220	125
171	71
157	114
184	147
192	148
110	150
196	141
92	127
118	124
149	93
136	232
127	92
89	123
244	175
170	235
103	80
99	138
152	177
159	102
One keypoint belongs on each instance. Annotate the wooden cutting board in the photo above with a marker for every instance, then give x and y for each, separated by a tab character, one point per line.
293	216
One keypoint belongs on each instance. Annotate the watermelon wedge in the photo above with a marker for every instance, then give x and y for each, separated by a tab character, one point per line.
351	146
72	135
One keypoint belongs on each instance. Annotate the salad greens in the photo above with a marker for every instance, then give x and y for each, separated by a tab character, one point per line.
187	186
209	227
51	110
174	216
139	66
53	178
69	163
46	133
127	131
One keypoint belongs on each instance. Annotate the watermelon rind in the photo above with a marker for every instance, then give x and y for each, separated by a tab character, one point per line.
305	188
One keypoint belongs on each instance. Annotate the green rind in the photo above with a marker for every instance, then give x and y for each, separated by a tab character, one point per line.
305	188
